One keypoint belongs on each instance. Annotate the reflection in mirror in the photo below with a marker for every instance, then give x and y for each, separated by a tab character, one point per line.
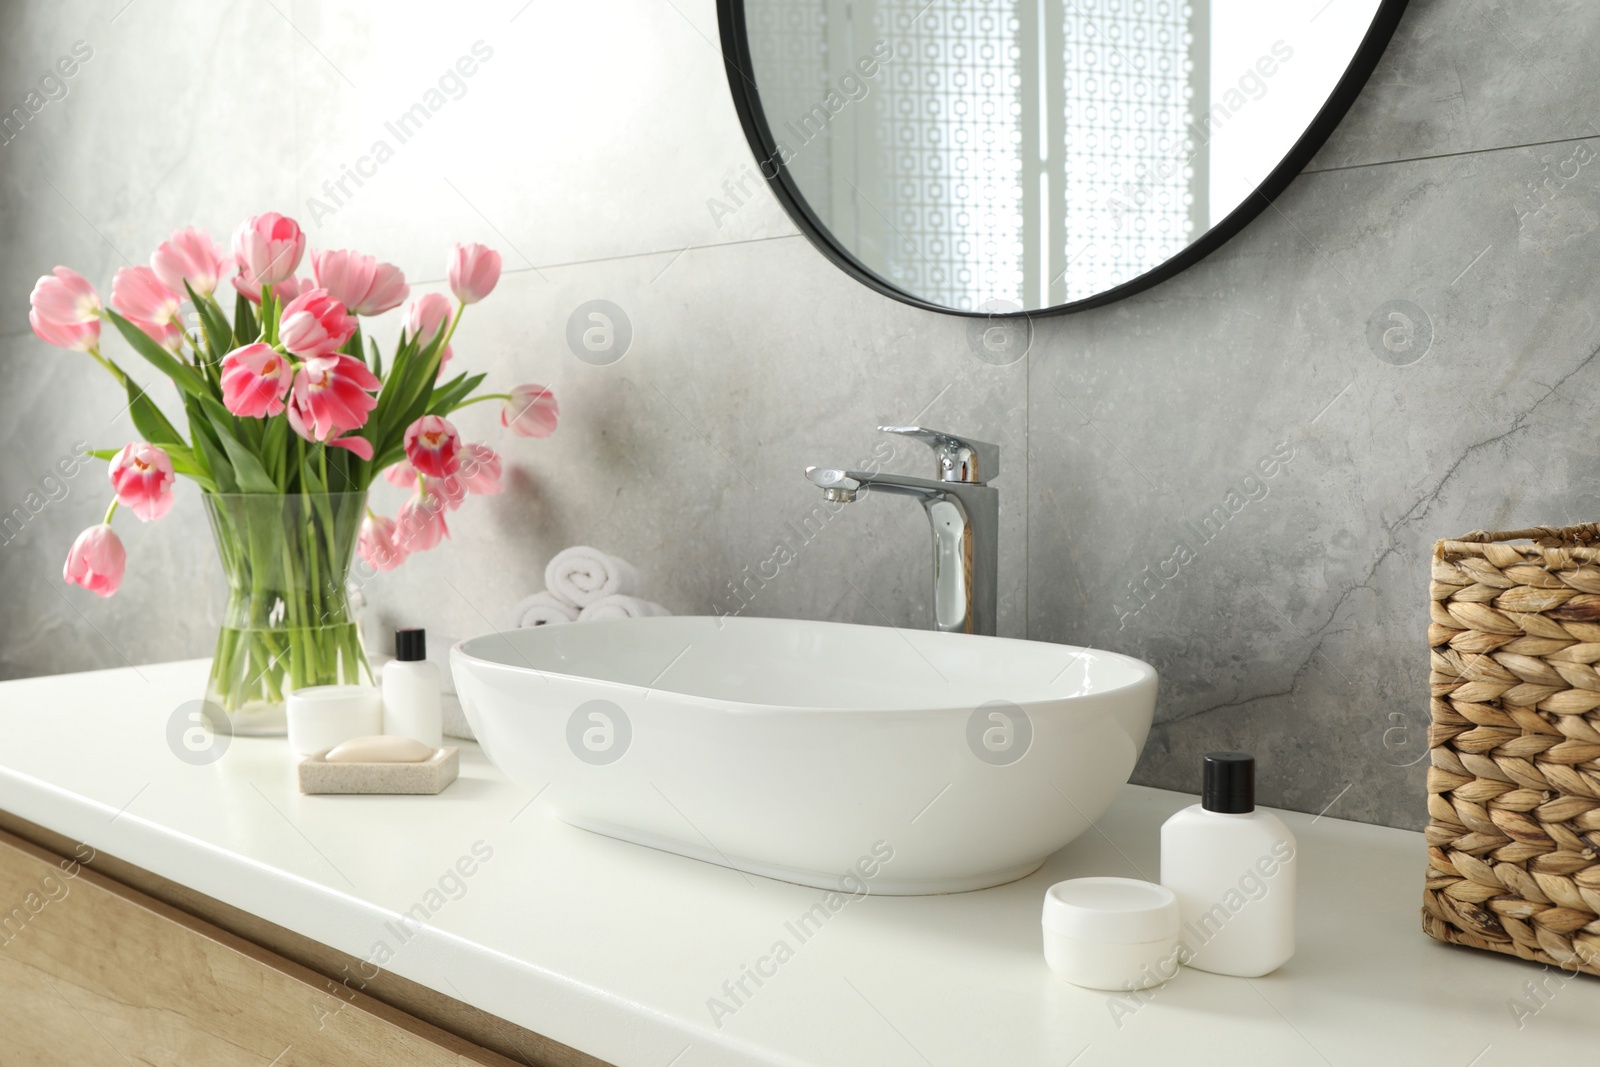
983	154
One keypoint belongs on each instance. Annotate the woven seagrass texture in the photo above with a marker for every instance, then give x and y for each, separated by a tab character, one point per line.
1514	787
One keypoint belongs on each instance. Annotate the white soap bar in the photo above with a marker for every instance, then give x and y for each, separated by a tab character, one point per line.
380	748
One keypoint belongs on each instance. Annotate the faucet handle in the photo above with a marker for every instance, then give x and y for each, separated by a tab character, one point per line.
961	459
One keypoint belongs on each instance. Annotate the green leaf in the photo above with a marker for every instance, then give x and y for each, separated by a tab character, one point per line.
107	454
400	373
182	375
382	428
206	458
271	307
247	467
186	463
344	470
377	358
408	392
219	335
246	330
427	368
353	346
249	432
313	483
206	446
448	397
274	450
148	419
317	491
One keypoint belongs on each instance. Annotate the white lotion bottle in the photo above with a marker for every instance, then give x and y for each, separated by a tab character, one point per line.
411	701
1232	868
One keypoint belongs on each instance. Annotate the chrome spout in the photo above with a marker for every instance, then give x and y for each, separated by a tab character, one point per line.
963	514
837	485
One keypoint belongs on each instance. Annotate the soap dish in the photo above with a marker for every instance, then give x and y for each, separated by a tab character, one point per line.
317	775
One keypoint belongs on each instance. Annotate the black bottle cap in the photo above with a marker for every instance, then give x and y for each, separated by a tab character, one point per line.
1230	783
410	645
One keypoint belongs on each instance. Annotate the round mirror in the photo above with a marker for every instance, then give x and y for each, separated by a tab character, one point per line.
994	156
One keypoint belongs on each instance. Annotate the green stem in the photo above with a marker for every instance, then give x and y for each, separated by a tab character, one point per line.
269	317
438	353
288	622
112	510
455	320
115	371
481	399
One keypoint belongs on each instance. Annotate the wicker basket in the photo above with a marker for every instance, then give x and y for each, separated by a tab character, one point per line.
1514	789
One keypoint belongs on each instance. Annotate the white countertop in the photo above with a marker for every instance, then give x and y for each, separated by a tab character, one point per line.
616	949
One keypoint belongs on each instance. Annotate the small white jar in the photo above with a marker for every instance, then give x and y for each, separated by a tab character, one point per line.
1111	933
321	716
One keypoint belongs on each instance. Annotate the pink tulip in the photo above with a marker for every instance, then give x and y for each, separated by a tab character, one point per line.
402	474
143	299
268	248
96	561
452	490
359	445
331	396
190	255
379	543
422	522
283	292
314	324
255	380
81	337
360	282
286	291
66	311
474	271
480	469
138	294
142	476
168	335
425	317
388	290
532	411
433	446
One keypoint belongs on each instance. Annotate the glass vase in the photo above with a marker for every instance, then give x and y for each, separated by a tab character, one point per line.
288	621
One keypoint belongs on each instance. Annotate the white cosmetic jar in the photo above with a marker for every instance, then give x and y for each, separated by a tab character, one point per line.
1111	933
321	716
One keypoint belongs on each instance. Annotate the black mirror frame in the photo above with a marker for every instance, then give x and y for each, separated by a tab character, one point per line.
747	101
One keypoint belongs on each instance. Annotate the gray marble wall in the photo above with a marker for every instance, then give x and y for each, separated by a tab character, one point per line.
1267	389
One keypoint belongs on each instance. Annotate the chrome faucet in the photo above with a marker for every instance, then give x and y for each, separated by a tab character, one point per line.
964	512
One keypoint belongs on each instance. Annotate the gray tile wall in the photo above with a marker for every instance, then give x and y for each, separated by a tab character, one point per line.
587	150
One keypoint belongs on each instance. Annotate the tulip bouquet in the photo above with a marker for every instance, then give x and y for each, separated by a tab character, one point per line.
291	412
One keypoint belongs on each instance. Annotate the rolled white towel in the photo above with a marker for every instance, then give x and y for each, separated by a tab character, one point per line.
582	575
542	609
453	721
619	606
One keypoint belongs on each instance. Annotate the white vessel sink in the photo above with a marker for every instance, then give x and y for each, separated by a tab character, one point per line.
832	755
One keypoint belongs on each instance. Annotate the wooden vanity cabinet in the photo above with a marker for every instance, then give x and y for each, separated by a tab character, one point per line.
96	971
